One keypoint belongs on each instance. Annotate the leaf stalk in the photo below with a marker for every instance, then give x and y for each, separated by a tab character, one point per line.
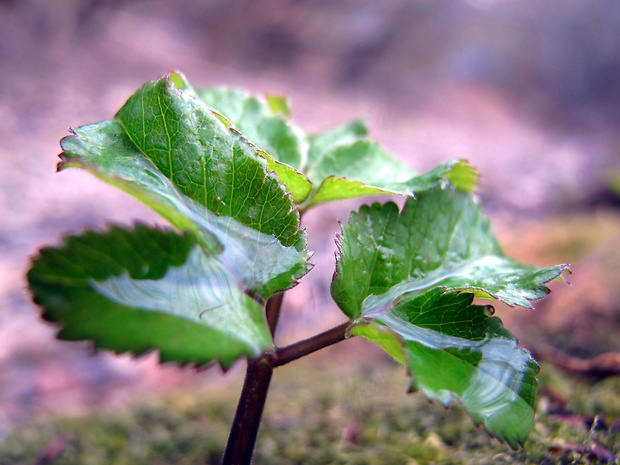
287	354
272	310
244	430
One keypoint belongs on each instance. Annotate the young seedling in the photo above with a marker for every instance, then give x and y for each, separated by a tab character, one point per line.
232	175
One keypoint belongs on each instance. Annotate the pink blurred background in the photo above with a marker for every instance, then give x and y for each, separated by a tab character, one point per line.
529	92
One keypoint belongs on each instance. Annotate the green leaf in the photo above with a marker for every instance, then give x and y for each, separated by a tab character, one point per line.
341	163
382	336
362	160
441	239
278	104
144	289
324	142
462	175
364	168
258	121
407	279
455	349
295	182
265	125
170	151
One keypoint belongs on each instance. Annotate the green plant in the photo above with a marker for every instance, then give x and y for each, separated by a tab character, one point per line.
233	175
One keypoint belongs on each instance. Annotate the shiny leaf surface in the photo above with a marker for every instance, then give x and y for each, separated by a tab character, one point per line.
339	163
407	280
170	151
455	349
441	239
265	124
145	289
365	169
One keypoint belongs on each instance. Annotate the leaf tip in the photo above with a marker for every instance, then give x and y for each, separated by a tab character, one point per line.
179	80
279	105
564	271
463	176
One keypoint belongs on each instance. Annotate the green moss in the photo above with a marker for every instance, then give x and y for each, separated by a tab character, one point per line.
318	413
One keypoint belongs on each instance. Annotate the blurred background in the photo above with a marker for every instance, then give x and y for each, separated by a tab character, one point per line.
528	92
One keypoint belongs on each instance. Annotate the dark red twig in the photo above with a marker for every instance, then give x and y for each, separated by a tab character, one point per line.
300	349
244	430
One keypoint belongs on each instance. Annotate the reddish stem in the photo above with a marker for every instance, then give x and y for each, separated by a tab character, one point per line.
300	349
244	430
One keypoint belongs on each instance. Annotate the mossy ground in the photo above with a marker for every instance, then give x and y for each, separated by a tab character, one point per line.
323	412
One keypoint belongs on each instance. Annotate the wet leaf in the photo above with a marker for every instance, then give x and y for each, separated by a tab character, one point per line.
144	289
441	239
266	125
166	148
365	169
338	164
407	280
454	349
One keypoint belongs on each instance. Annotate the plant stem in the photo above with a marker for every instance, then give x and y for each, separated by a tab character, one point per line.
246	423
272	310
244	430
300	349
